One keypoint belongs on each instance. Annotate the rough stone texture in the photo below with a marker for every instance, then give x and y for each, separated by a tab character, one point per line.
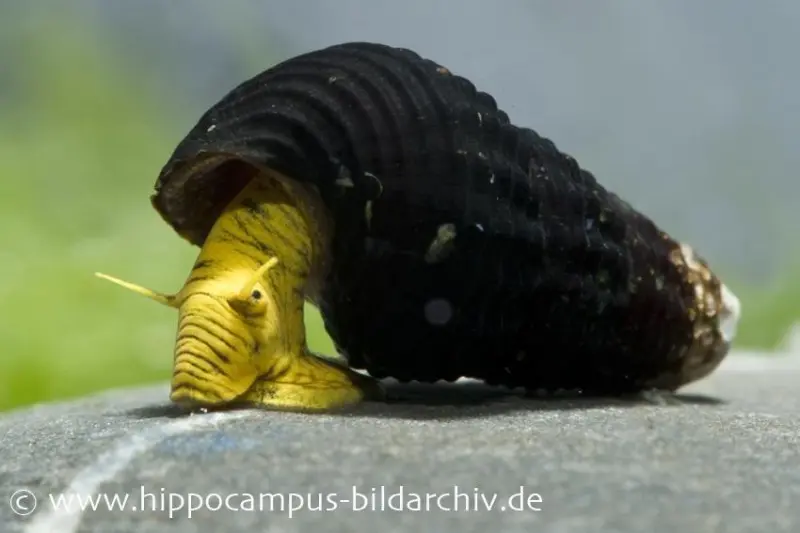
724	459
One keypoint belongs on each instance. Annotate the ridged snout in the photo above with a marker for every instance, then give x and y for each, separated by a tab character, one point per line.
213	363
193	382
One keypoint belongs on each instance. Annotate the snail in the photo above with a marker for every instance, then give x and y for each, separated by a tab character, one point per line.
438	240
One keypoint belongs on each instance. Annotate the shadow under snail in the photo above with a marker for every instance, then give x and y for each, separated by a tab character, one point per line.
438	240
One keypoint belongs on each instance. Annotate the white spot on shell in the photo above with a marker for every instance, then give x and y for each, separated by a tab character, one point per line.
479	226
688	256
375	180
730	307
442	244
730	312
691	261
438	312
211	128
344	177
589	223
332	79
368	213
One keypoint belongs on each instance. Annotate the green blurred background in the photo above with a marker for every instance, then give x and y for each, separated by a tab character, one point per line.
82	138
89	115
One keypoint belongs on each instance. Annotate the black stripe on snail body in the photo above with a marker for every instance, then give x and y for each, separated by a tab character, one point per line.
438	239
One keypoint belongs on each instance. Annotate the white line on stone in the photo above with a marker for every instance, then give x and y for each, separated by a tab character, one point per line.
66	518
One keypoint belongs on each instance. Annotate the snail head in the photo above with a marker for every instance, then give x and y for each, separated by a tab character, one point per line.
224	324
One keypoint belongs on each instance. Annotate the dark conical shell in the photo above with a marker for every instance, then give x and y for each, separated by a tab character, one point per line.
465	245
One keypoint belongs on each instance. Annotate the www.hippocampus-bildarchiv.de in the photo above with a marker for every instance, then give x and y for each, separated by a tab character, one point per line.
381	499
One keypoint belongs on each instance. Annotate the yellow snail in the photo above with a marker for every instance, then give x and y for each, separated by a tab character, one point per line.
241	333
438	239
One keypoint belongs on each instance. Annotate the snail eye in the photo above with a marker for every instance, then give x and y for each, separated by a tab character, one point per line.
256	295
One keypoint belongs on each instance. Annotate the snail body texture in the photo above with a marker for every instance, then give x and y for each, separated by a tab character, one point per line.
438	239
241	333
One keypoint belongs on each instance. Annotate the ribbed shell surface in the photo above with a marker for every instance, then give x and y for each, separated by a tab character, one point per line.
464	245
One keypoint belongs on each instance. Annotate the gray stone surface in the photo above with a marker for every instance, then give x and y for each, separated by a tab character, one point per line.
726	458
